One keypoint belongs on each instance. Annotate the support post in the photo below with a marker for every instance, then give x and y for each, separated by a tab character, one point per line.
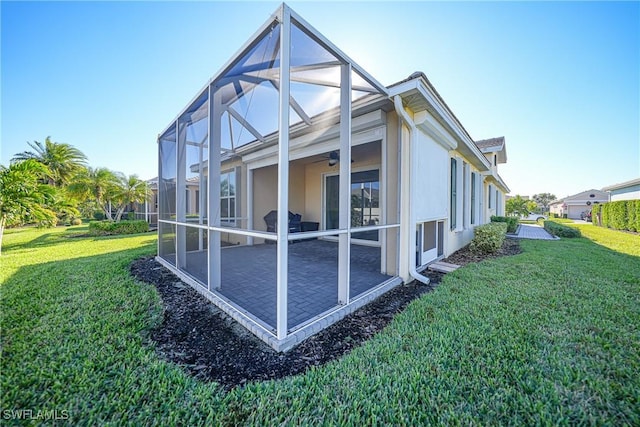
283	176
201	194
405	219
250	204
344	217
213	211
181	197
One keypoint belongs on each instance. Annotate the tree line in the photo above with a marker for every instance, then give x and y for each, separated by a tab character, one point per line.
519	206
52	183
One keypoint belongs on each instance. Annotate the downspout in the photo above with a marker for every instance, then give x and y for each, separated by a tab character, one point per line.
397	101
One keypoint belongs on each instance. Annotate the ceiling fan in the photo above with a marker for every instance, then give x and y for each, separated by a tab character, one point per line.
333	157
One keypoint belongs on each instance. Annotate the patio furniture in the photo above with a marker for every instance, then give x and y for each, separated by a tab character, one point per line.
271	219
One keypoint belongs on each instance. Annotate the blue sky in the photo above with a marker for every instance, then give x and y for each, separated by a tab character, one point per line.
561	81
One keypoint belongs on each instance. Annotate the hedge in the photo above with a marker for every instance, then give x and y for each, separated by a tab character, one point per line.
512	222
106	228
561	230
596	212
620	215
488	238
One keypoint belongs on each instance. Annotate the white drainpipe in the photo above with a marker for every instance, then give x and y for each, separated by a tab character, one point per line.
411	184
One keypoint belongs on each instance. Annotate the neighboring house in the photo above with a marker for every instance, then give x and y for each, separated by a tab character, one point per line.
148	210
629	190
574	206
319	188
495	150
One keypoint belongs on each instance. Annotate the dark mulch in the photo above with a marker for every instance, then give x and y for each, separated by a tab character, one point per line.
466	256
213	347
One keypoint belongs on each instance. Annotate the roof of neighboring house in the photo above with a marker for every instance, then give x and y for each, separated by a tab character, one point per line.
494	145
583	196
622	185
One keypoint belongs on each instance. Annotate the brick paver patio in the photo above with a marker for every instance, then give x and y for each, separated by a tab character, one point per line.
249	277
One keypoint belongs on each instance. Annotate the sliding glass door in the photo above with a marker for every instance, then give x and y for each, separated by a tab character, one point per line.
365	203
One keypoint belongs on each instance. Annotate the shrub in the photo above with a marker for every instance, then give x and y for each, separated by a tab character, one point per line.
595	213
621	215
632	215
106	228
561	230
488	238
76	221
512	222
131	216
98	215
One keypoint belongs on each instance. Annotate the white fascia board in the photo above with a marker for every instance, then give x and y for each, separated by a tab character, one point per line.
622	185
497	149
499	182
446	115
297	152
429	125
442	111
359	124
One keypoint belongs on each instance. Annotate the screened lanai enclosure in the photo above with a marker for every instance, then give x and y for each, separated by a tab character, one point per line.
278	186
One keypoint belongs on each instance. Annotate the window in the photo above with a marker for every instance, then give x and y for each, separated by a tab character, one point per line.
490	191
228	197
365	202
453	195
465	194
473	197
495	160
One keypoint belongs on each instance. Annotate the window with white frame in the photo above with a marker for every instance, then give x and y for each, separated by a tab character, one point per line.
466	200
228	197
490	193
453	194
473	198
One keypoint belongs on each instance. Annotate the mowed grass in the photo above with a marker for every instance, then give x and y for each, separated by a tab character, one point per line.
550	336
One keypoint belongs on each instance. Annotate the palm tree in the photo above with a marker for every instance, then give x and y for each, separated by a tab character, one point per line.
23	196
63	160
131	189
97	184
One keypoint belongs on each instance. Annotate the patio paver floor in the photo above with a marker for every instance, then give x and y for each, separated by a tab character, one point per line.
249	277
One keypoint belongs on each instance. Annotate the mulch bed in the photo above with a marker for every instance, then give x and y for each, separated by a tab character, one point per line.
213	347
464	256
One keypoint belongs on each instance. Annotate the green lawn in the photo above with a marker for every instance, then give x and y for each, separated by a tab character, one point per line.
550	336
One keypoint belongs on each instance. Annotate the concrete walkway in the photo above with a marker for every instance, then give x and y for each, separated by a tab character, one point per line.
537	232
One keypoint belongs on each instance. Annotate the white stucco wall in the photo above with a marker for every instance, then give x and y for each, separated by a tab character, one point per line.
432	181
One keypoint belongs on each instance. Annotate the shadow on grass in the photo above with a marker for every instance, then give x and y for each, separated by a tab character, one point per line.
55	238
85	306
